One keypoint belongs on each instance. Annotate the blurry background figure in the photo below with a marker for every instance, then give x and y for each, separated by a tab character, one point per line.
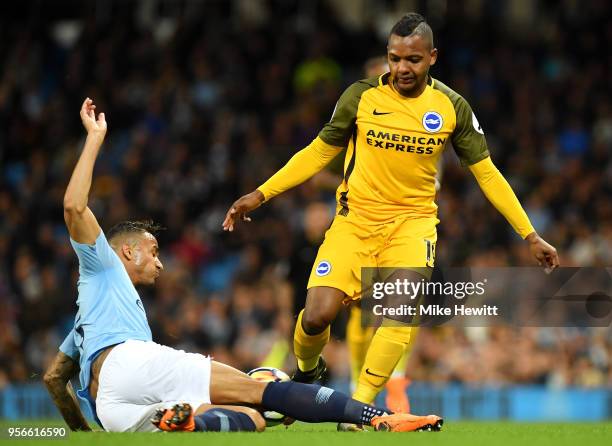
375	66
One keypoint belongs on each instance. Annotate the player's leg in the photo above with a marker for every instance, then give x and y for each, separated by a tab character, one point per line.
316	404
334	276
208	418
410	251
312	330
231	386
136	373
211	418
358	340
397	398
305	402
387	347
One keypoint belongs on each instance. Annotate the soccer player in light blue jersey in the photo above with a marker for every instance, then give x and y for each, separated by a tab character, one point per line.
131	383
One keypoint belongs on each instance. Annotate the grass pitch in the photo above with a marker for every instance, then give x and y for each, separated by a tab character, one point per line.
303	434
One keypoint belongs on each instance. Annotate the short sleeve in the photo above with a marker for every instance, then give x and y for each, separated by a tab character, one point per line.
95	258
339	129
69	347
468	138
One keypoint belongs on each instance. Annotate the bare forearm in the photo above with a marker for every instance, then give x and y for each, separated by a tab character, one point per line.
77	192
65	400
57	380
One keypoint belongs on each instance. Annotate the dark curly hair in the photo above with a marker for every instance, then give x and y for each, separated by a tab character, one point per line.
136	227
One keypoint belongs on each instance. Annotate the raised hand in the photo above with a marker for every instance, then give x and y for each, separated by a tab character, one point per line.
241	207
88	117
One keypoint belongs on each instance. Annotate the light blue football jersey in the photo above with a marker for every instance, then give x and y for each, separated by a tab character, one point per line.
109	309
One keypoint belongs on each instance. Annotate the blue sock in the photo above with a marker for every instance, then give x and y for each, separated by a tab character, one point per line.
316	404
223	420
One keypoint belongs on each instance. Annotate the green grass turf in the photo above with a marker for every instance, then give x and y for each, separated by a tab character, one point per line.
302	434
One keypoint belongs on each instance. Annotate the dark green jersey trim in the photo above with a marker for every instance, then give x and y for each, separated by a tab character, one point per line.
339	129
344	210
349	169
351	164
384	78
468	141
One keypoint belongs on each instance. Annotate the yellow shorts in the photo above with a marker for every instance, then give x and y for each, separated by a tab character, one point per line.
350	244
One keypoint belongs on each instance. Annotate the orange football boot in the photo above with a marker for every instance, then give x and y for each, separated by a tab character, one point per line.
405	422
177	419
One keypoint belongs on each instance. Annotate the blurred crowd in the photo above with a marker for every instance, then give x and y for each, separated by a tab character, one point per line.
207	99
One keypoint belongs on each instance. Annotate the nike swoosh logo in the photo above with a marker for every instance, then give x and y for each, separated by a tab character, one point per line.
373	374
377	113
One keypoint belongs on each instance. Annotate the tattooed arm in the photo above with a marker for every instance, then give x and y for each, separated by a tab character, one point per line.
57	380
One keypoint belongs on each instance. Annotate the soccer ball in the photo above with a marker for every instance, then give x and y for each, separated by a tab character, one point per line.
270	374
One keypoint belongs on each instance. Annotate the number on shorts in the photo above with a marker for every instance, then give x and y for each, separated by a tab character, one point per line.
431	253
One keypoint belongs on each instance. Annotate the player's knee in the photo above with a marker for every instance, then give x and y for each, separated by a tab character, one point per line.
315	321
322	306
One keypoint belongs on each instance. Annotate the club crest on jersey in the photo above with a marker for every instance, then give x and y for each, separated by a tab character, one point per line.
323	268
432	121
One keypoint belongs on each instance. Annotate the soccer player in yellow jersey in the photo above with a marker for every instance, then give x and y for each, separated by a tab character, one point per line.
358	336
398	125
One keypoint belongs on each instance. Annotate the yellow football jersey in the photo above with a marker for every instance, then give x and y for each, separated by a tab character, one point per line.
394	143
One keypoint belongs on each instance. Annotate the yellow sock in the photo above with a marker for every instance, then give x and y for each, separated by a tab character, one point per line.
358	339
400	368
308	348
387	347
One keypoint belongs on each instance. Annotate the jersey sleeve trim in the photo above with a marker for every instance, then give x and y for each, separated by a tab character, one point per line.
69	348
337	132
468	137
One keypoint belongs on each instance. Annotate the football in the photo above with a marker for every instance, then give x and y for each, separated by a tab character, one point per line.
270	374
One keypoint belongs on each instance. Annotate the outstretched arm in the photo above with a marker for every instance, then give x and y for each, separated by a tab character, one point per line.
334	136
501	195
57	380
81	222
298	169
